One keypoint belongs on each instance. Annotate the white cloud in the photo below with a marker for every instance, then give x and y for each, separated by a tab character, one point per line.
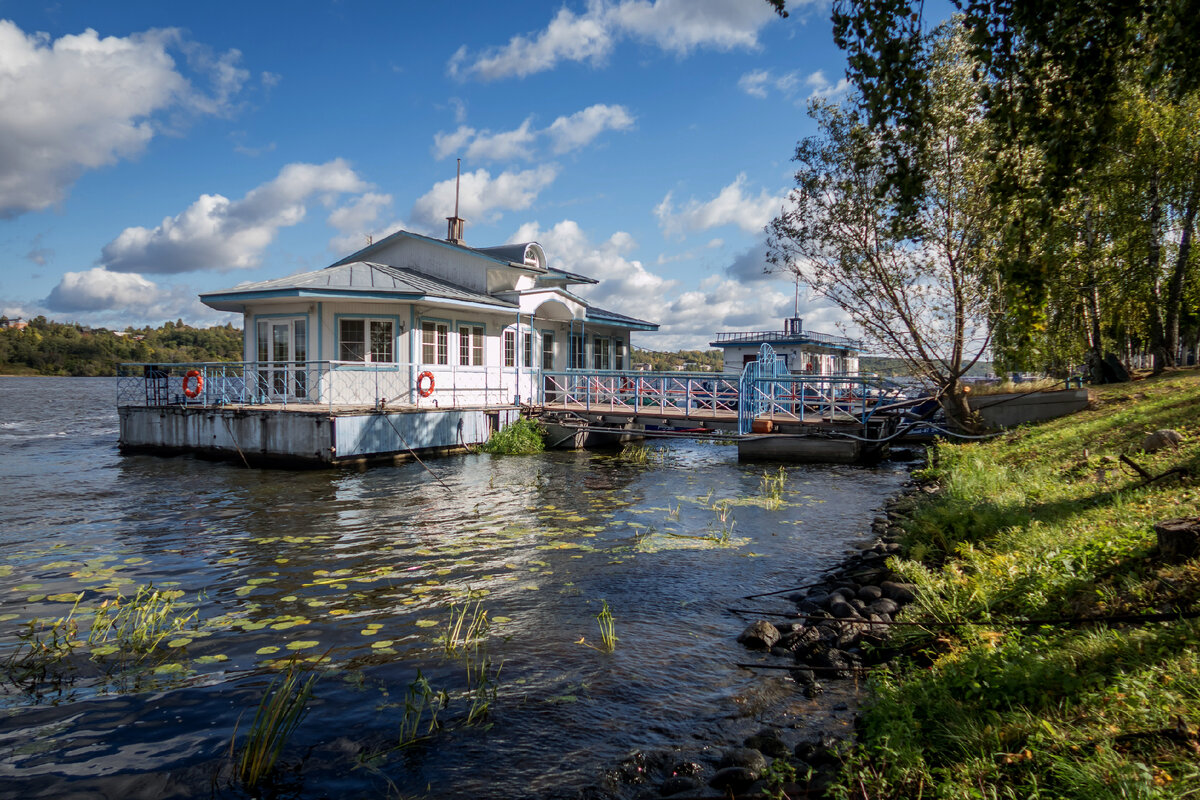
358	220
731	206
676	26
760	82
565	133
217	233
482	198
579	129
755	83
82	102
822	87
568	37
98	289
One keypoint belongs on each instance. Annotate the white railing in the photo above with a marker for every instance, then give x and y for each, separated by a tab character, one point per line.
322	383
642	392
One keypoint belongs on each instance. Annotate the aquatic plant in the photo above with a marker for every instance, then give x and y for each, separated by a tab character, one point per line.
136	625
725	522
467	626
482	688
608	635
771	485
642	454
420	698
44	646
523	437
283	706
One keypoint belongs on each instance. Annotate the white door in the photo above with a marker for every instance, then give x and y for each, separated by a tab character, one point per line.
283	374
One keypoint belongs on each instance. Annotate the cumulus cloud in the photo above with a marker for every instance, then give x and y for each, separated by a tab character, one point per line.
98	289
82	102
675	26
219	234
731	206
749	266
824	88
482	198
626	286
359	221
565	134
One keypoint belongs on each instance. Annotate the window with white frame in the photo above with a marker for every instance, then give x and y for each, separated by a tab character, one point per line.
371	341
470	345
435	343
510	348
528	351
547	350
600	359
618	354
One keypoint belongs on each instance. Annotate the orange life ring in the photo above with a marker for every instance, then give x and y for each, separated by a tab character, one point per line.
193	373
421	390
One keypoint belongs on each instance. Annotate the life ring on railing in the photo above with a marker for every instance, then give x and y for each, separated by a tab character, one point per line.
421	388
193	373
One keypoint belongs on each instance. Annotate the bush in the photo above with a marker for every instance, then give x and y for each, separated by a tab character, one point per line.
523	437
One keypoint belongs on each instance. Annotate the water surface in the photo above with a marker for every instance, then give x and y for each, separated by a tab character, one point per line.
362	568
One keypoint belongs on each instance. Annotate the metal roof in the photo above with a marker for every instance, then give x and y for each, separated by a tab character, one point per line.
484	252
359	277
601	315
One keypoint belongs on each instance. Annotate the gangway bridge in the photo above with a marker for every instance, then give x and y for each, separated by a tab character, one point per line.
771	412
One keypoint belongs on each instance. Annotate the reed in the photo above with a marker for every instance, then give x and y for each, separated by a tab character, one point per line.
770	486
725	522
482	688
282	708
467	627
419	699
608	635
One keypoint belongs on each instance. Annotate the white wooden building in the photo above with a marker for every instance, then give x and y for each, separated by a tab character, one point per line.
804	352
423	322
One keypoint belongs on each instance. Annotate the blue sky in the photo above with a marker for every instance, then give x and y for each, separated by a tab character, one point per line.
150	151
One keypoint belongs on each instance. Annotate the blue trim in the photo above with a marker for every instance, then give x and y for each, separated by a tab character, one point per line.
321	332
337	341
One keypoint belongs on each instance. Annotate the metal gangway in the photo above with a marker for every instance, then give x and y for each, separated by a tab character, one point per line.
764	390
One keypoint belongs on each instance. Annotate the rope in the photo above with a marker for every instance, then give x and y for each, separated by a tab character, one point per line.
412	453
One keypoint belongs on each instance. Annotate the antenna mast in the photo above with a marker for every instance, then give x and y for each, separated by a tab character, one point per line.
454	226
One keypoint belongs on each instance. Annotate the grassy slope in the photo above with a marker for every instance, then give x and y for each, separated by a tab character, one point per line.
1045	523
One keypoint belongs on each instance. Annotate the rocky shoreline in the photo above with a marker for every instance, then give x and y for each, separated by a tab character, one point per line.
838	631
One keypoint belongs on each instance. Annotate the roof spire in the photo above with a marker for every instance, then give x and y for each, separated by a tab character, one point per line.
454	226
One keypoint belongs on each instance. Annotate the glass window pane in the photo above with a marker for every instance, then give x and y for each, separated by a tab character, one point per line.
300	340
528	350
428	344
352	337
510	348
464	345
381	341
280	344
262	341
548	351
443	344
477	346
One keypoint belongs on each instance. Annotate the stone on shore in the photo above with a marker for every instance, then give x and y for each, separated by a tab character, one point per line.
760	635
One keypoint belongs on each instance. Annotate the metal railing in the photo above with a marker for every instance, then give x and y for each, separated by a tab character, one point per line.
318	383
688	393
758	337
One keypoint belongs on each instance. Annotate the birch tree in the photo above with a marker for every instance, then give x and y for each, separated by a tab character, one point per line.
922	292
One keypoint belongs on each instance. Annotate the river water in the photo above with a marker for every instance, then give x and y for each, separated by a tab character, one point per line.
361	571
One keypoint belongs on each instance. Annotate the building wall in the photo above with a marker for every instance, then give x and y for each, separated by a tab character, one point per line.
823	360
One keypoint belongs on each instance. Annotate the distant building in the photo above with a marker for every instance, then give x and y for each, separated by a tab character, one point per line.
804	352
14	324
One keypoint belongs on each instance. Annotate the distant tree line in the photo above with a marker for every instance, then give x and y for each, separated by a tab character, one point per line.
669	362
54	348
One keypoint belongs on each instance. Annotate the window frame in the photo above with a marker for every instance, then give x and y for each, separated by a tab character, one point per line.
368	320
475	349
440	343
508	348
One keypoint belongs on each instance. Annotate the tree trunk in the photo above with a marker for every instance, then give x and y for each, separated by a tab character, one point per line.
1158	345
1175	285
958	410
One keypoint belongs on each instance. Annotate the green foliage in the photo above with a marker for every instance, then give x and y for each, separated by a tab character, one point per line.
1041	525
608	630
52	348
523	437
671	362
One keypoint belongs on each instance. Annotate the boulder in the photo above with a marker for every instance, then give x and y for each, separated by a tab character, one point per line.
679	784
884	606
746	758
768	743
869	594
760	635
900	592
733	779
1113	370
1160	440
842	610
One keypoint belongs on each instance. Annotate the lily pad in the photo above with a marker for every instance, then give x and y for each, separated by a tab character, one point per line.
266	651
301	644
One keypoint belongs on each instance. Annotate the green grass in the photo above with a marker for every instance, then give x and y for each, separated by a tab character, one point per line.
282	708
1045	523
